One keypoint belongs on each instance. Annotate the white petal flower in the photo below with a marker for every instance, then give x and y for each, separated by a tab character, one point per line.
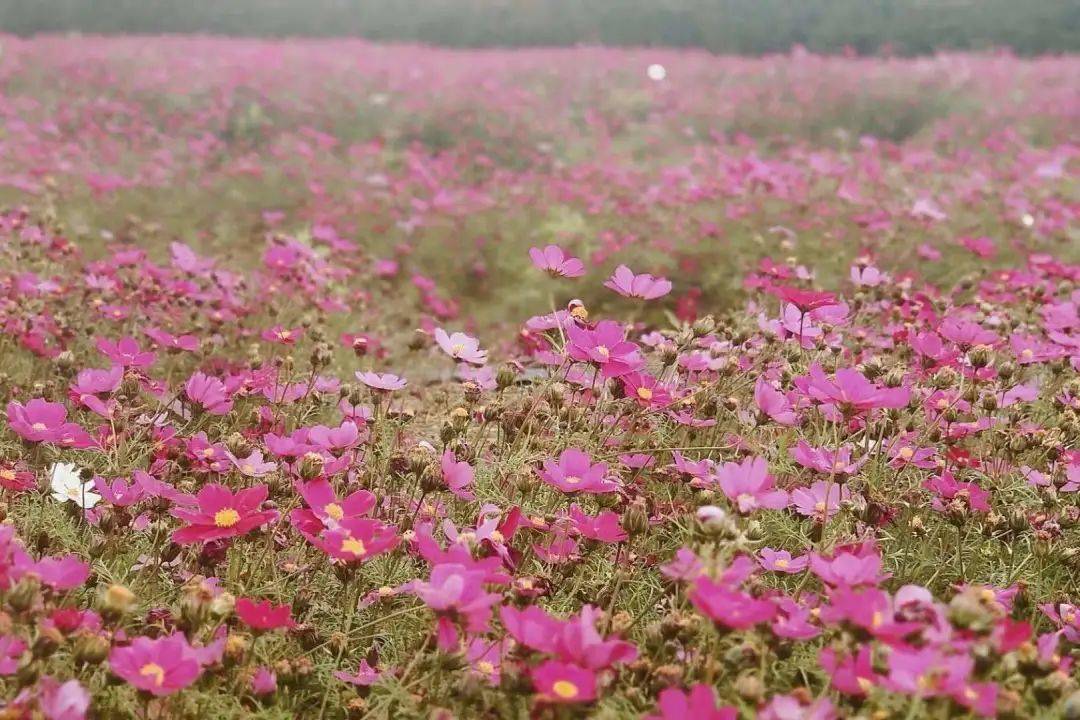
67	486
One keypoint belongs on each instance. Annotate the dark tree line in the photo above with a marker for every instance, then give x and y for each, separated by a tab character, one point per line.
722	26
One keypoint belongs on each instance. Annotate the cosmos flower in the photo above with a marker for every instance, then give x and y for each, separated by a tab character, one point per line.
461	347
222	514
749	485
553	260
574	472
159	666
643	286
67	485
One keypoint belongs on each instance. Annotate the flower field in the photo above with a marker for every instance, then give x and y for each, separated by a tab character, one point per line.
346	381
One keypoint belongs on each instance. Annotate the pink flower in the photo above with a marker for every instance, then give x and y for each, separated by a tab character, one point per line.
553	260
821	500
782	561
326	510
848	569
458	476
160	667
773	403
461	347
385	382
62	701
458	591
574	472
11	651
826	461
646	390
788	707
354	540
62	573
750	487
697	704
851	391
209	393
126	352
966	334
560	682
282	335
729	607
264	615
605	346
643	286
221	514
43	421
263	681
364	676
946	487
605	527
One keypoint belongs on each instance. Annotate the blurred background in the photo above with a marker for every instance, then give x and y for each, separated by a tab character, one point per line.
906	27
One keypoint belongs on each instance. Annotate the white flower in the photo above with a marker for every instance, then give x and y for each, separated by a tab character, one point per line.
68	486
656	72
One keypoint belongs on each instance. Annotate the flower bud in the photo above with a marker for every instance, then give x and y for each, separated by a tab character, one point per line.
90	649
116	600
311	466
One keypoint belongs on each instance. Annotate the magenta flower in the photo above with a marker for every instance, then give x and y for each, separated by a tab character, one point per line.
264	615
729	607
782	561
749	485
43	421
160	667
364	676
62	573
461	347
821	500
355	540
209	393
646	390
554	261
574	472
126	352
458	591
263	681
221	514
828	462
605	346
774	403
458	476
644	286
946	487
559	682
851	391
11	651
848	569
384	382
62	701
966	334
697	704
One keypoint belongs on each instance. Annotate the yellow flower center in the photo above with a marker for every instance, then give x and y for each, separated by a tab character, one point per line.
644	393
572	479
334	511
782	563
602	350
839	465
248	468
1027	353
819	506
457	348
226	518
208	453
565	689
39	426
7	474
907	453
155	671
496	536
285	334
353	547
485	667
